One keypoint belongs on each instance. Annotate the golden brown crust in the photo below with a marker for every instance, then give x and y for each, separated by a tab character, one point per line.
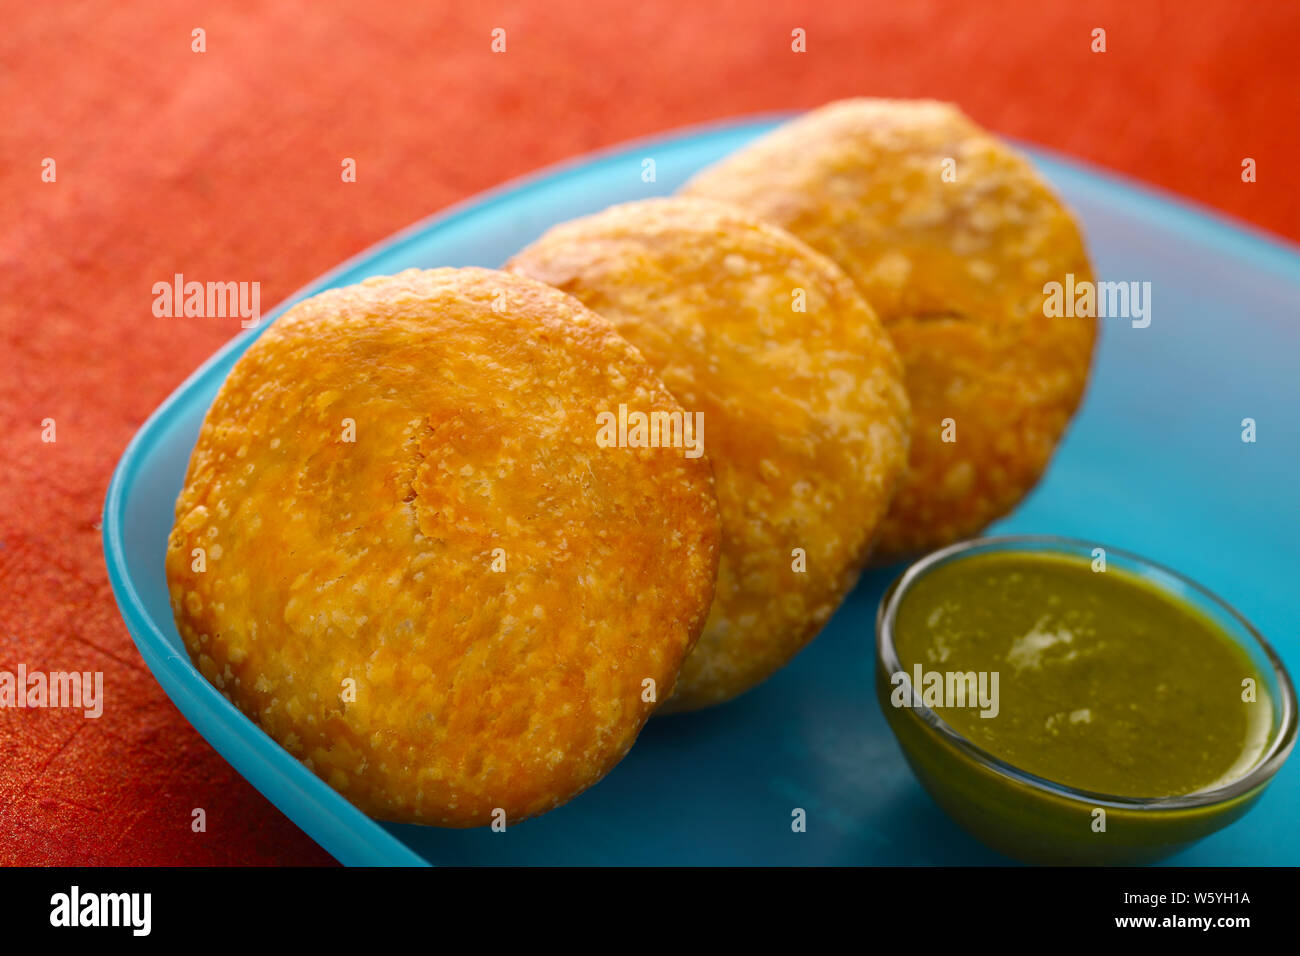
484	678
956	271
804	411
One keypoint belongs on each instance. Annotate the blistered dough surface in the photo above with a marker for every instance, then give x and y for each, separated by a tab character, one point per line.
805	417
951	235
399	497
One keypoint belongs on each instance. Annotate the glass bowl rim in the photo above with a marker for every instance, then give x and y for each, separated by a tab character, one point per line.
1281	740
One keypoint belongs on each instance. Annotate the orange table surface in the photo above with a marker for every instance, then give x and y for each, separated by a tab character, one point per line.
226	164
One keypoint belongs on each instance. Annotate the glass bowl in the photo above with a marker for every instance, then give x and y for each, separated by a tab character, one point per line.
1037	820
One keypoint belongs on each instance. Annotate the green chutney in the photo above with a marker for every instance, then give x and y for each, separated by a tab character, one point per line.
1106	683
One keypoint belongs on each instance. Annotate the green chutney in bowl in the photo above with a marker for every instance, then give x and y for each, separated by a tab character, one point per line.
1072	703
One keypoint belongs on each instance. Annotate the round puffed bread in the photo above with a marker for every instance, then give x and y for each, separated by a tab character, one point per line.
804	412
952	236
421	573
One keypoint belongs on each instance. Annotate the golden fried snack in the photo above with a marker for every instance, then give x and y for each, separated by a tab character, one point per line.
420	573
802	401
951	235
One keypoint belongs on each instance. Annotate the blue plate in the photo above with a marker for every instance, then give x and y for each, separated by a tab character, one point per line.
1154	463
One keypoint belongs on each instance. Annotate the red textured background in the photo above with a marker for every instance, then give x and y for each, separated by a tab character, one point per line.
226	165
